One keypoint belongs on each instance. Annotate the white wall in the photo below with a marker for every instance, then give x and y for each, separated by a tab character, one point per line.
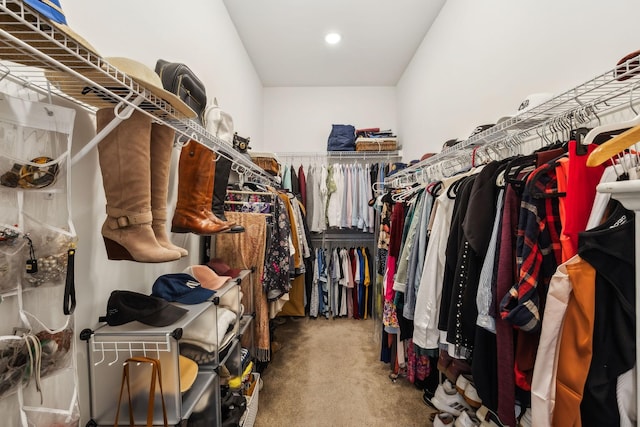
479	60
200	35
299	119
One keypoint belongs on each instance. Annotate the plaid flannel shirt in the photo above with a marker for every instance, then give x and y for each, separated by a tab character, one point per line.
538	250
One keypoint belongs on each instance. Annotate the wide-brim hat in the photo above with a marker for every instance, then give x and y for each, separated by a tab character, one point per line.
207	277
48	11
188	372
95	96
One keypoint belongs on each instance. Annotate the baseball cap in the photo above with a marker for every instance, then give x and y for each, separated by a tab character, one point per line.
182	288
207	277
222	269
450	143
127	306
425	156
531	101
625	65
188	372
480	129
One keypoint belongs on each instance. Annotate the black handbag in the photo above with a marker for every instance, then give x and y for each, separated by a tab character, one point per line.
179	79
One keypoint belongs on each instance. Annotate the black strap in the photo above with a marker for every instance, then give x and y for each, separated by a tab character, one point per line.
69	303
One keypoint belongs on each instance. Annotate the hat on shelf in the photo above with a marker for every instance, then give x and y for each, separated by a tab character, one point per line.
182	288
53	13
206	276
222	269
425	156
188	372
127	306
480	129
530	102
94	95
450	143
626	68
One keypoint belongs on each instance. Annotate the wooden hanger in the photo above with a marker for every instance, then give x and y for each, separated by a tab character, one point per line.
615	145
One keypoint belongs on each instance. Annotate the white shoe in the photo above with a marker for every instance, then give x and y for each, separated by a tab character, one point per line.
466	419
443	419
447	399
466	387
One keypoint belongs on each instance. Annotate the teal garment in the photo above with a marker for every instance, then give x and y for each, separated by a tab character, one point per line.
286	178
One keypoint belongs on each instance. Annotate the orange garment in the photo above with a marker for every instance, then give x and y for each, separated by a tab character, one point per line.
576	345
297	258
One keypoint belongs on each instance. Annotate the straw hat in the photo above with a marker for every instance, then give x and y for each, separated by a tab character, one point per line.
93	95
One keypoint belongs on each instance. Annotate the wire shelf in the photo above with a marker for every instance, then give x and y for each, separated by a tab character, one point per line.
47	60
600	95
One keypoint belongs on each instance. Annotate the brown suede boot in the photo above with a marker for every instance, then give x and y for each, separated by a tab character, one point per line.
196	170
161	149
124	156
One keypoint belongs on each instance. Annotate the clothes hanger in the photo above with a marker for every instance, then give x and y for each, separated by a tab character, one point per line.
614	146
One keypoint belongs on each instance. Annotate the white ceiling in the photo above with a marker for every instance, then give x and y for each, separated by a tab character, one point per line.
285	39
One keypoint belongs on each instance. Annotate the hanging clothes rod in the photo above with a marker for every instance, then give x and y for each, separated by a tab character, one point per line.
251	193
601	95
356	155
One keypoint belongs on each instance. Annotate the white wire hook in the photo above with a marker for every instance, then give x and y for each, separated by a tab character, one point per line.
115	350
103	357
121	111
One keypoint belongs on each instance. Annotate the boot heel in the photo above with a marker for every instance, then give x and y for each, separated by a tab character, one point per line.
116	251
175	229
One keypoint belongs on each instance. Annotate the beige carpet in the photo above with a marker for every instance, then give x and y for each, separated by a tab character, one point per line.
328	373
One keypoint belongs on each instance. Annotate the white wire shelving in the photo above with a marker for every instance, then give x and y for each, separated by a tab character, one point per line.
41	57
595	98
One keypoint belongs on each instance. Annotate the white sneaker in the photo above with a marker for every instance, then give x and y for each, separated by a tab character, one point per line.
466	419
466	387
443	419
447	399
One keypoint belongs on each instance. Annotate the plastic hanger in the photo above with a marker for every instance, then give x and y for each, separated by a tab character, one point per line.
615	145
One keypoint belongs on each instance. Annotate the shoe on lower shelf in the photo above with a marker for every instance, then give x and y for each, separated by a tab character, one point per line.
443	419
447	399
467	419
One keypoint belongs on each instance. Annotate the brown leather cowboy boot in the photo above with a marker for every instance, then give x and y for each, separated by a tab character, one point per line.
124	156
196	171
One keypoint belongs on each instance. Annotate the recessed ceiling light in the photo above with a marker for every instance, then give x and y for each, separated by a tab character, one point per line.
333	38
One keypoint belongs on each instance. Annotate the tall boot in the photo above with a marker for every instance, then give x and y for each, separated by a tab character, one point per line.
195	188
223	169
161	149
124	156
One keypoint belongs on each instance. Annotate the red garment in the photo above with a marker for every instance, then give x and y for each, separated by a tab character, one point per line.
506	276
581	191
302	181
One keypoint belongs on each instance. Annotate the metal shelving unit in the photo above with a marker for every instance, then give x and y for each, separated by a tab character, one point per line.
602	95
44	58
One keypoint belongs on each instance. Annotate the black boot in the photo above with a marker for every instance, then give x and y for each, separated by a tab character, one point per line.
223	169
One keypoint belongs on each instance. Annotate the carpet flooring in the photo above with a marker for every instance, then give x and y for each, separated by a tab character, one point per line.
328	373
